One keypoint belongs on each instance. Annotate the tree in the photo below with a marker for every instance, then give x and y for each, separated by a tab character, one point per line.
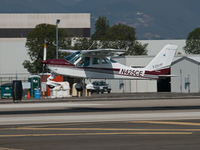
121	32
136	48
193	42
101	27
118	36
84	44
35	40
122	36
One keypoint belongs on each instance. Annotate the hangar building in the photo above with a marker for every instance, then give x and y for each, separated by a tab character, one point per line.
137	86
133	86
187	69
18	25
14	29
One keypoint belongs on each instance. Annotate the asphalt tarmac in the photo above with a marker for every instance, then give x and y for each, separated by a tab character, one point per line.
102	123
128	135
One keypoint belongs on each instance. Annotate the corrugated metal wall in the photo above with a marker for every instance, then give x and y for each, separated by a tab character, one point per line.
188	77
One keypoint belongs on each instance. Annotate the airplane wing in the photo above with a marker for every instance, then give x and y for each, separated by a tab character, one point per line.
99	52
68	50
103	52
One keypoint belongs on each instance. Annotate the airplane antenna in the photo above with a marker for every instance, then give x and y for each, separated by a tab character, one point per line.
91	46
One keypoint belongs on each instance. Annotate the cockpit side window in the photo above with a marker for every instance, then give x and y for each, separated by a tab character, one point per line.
95	61
84	62
87	61
105	61
73	57
73	60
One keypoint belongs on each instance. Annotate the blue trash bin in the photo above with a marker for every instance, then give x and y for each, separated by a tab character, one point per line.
37	93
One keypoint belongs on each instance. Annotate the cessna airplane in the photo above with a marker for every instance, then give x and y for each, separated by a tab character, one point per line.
99	65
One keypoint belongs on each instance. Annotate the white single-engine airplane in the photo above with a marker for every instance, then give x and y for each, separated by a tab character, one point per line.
99	65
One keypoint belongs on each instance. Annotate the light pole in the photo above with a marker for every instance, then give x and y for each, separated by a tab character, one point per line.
57	22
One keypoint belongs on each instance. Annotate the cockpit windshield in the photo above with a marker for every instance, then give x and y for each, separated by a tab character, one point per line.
112	61
73	57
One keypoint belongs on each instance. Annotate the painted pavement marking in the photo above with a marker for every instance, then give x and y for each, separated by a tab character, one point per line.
168	123
123	131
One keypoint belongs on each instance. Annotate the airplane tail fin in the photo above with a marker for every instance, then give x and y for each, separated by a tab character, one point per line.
163	59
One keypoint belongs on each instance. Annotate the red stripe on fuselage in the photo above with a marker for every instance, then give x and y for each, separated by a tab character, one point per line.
165	71
60	62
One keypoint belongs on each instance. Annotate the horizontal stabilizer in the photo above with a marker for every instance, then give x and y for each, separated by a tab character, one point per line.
165	76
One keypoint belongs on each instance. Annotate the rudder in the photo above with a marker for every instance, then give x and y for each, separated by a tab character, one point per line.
163	59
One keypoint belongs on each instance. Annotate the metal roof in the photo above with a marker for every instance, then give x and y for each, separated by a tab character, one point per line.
194	59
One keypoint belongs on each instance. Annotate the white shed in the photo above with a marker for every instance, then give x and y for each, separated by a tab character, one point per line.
187	70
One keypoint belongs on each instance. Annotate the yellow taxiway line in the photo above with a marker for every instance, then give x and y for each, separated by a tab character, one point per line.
168	123
123	131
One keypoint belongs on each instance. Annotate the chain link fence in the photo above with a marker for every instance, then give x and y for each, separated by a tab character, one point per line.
8	78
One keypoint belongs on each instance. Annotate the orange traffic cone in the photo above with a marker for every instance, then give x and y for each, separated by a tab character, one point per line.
29	96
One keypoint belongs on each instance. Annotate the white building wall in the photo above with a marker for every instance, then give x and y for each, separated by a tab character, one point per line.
12	55
198	79
188	72
144	86
133	86
67	20
138	61
192	74
154	46
13	51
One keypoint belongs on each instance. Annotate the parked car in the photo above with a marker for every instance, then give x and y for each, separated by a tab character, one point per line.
99	87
